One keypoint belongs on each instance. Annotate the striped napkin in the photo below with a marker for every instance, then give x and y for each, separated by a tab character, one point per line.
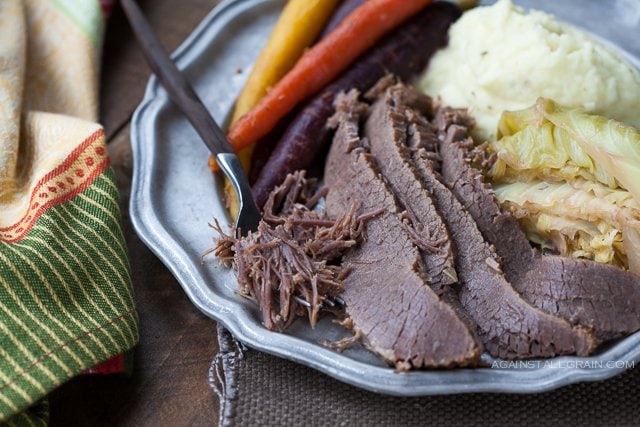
66	301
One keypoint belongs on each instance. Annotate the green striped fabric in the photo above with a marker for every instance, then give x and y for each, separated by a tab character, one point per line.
37	415
65	297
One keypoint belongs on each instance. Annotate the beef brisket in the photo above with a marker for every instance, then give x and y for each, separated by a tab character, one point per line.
508	325
397	315
602	297
386	130
391	127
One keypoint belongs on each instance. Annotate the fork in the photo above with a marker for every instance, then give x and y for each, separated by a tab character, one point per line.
186	99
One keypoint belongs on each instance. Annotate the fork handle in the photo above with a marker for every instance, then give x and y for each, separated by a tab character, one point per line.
180	91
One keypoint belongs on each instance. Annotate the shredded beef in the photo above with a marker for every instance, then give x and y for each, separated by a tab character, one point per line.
295	253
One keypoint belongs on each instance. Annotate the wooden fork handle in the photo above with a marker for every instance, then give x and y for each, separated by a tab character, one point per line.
180	91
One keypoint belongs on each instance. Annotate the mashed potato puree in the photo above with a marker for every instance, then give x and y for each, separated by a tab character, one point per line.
500	58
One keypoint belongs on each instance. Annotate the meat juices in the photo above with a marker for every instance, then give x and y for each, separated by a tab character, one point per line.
397	315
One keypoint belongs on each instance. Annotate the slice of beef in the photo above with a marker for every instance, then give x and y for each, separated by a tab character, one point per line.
397	315
386	130
508	325
602	297
392	124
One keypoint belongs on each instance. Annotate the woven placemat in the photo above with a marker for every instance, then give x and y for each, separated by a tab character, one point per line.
255	388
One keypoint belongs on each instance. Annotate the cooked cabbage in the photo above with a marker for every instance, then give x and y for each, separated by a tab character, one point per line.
554	143
573	179
583	219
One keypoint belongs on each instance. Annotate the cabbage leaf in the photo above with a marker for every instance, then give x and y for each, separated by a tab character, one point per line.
573	180
583	219
547	141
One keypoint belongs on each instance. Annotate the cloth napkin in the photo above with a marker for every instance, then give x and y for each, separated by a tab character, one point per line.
66	301
255	388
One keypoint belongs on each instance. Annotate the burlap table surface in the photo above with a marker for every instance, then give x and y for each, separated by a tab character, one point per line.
258	389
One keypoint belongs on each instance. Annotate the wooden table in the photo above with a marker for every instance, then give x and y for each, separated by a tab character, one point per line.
177	343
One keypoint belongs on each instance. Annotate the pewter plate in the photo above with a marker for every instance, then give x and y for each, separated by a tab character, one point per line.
174	197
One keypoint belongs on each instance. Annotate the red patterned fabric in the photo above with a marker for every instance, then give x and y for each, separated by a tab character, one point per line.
115	365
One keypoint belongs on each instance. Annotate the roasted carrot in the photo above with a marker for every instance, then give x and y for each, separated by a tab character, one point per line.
404	52
341	12
322	63
297	28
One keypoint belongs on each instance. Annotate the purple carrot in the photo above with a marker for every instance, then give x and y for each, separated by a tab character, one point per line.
405	52
263	150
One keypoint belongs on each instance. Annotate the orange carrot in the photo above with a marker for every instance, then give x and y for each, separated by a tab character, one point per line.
298	26
360	30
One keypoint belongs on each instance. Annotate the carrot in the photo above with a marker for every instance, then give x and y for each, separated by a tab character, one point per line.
360	30
341	12
297	28
405	52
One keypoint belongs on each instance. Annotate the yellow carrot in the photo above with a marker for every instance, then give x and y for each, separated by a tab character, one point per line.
360	30
297	28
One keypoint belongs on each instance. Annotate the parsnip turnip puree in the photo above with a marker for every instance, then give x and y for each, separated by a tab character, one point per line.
501	58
